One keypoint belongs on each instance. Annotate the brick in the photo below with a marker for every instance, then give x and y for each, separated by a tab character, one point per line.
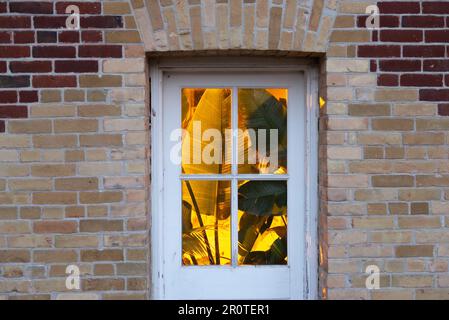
399	7
14	51
30	66
94	81
52	110
400	65
133	269
423	51
123	66
423	21
30	185
54	81
49	22
421	222
421	80
54	256
104	168
99	225
101	140
104	269
432	124
379	51
86	7
76	66
419	208
102	255
31	7
401	35
436	36
392	124
419	194
136	284
77	296
423	138
434	95
69	36
350	36
76	241
343	65
54	52
54	198
55	226
375	194
14	227
414	251
396	95
388	80
17	256
101	197
369	109
435	7
24	37
73	95
443	109
116	8
15	22
52	170
54	141
127	36
12	112
8	96
392	181
47	37
103	284
28	96
412	281
410	109
91	36
8	213
76	184
5	37
101	22
99	110
14	81
81	125
436	65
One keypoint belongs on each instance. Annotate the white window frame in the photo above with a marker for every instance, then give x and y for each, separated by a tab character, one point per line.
157	68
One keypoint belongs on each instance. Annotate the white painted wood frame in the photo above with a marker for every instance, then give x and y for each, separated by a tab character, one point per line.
303	249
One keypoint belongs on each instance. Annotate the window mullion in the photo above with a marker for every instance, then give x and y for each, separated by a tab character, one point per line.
234	184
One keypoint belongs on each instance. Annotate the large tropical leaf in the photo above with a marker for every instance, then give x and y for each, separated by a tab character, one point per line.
259	197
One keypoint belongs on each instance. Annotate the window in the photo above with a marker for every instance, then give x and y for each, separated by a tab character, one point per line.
232	203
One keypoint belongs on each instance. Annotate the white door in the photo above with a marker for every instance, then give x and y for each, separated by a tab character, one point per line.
233	185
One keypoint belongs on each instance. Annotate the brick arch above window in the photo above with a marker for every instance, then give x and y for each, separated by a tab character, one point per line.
186	25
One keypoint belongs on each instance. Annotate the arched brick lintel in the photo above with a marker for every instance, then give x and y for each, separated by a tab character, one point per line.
193	25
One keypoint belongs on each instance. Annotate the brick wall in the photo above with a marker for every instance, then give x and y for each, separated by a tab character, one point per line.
74	137
387	151
73	176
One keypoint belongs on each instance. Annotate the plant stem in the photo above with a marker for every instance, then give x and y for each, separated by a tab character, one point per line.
200	221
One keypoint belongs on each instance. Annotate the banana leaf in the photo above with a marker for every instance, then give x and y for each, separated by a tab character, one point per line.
259	197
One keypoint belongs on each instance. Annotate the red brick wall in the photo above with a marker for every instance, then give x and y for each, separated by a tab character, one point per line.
411	49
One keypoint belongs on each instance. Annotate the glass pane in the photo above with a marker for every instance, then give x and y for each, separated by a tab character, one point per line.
262	222
262	134
206	216
206	114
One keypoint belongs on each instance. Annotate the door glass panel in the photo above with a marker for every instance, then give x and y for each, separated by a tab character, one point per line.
206	114
206	216
262	137
262	222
